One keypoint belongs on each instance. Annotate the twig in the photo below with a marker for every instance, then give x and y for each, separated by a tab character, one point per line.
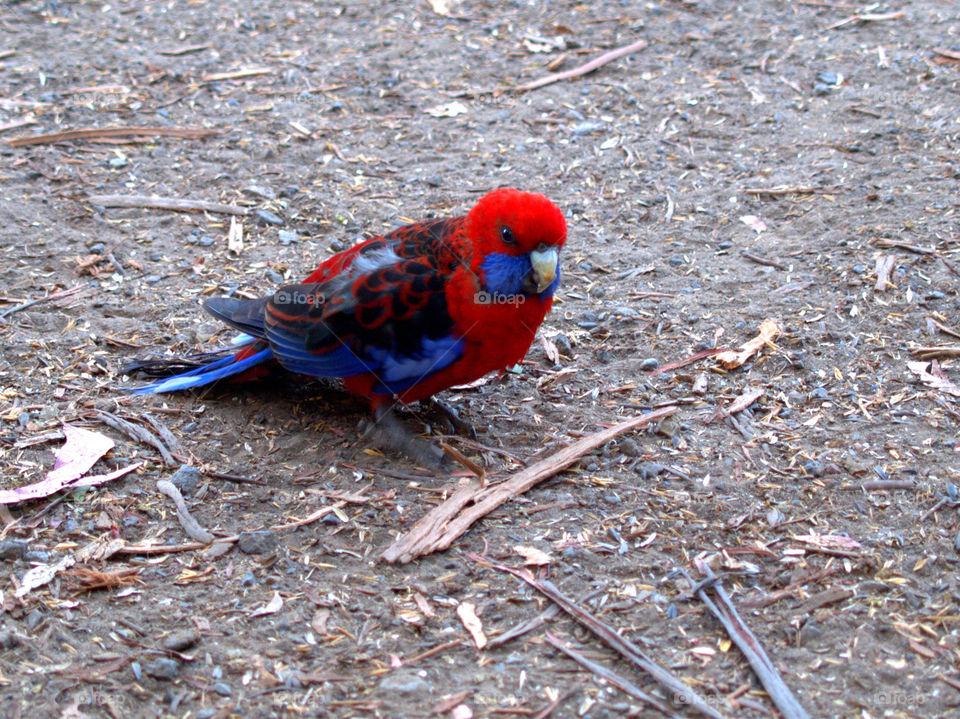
741	635
192	133
236	74
623	646
777	191
310	519
463	459
585	68
165	203
441	526
151	549
905	246
611	677
888	484
883	269
787	591
190	525
687	360
762	260
140	434
552	706
534	622
59	294
949	265
865	17
927	353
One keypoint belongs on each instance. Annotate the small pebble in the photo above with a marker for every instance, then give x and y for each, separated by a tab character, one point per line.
13	548
222	689
137	670
404	683
257	191
34	618
263	541
268	218
40	556
117	162
630	447
180	641
186	479
248	579
162	668
287	237
677	262
8	640
206	241
649	364
649	470
275	277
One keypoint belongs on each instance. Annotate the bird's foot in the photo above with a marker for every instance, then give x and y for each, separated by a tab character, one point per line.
389	432
457	424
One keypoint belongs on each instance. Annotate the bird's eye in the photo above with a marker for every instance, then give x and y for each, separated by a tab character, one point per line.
506	234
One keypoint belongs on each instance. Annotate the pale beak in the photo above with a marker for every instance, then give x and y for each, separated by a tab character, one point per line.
544	263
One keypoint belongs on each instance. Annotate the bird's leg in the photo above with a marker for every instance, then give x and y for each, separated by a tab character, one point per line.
391	433
459	425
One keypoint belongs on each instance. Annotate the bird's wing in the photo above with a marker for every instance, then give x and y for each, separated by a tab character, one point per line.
384	313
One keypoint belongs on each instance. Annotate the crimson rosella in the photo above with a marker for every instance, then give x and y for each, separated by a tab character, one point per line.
405	315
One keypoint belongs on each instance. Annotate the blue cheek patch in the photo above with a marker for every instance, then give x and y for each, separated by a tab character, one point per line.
505	275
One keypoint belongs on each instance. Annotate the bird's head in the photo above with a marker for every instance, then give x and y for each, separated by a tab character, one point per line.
516	239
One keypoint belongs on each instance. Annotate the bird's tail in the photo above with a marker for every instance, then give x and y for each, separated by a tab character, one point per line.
198	370
248	350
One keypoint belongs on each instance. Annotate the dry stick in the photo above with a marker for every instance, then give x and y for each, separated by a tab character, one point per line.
552	706
760	260
192	133
134	431
190	525
883	269
151	549
624	685
532	623
165	203
623	646
927	353
777	191
906	246
752	649
59	294
441	526
585	68
688	360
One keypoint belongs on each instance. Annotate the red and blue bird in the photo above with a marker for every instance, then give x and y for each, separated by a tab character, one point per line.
402	316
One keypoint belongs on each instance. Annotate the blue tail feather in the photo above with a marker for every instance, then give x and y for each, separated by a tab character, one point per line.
207	374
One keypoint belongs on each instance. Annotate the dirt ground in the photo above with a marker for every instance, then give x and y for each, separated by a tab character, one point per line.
792	161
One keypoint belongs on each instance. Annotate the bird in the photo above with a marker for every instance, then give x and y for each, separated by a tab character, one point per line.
401	316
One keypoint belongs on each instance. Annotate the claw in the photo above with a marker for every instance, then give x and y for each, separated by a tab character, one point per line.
457	423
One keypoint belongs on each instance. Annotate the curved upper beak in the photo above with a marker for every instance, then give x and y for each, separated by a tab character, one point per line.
544	263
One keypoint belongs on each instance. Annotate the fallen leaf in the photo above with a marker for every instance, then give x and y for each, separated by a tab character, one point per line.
450	109
532	556
931	375
40	575
769	329
468	615
235	236
754	223
829	541
441	7
271	607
